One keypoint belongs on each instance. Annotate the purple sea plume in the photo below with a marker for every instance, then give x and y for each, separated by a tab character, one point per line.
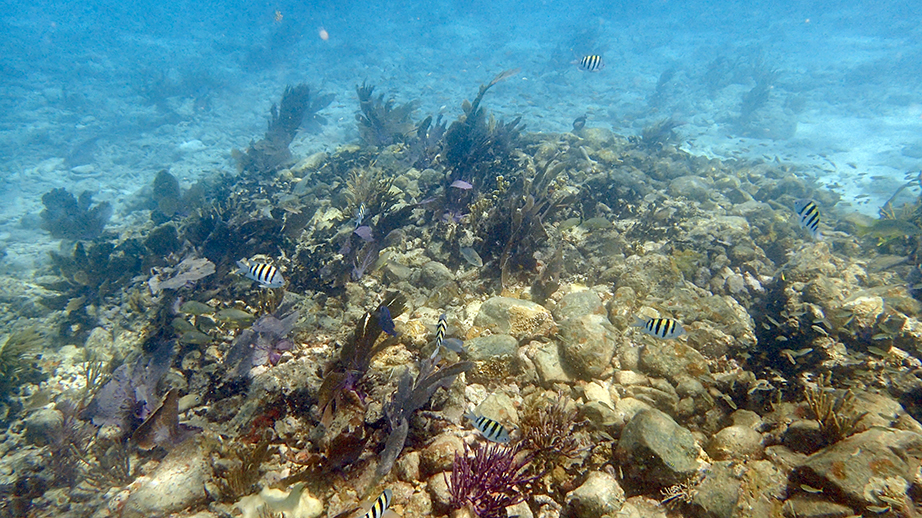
490	480
461	184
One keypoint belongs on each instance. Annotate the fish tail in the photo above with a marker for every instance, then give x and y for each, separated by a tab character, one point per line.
470	415
639	322
243	267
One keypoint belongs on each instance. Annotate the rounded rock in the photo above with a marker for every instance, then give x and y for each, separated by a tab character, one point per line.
43	425
599	495
736	443
440	454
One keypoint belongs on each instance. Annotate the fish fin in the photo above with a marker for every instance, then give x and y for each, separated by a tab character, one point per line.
243	266
470	416
639	322
454	345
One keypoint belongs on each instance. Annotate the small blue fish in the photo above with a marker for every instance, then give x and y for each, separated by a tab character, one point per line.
665	328
379	508
808	215
490	429
266	275
461	184
591	63
360	215
385	321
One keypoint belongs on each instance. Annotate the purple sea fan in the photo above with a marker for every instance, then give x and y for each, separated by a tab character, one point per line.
261	344
490	480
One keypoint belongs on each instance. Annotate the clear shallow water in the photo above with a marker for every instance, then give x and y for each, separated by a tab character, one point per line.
101	96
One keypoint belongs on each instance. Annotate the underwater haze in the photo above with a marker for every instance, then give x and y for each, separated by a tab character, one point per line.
474	258
99	96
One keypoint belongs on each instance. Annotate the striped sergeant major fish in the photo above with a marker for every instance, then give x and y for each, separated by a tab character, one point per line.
665	328
380	506
808	215
360	214
266	275
452	344
490	429
591	63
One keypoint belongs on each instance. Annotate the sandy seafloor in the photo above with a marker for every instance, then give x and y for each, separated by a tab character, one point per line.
100	98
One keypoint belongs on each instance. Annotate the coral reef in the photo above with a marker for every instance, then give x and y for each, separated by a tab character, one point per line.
67	217
382	123
795	385
271	152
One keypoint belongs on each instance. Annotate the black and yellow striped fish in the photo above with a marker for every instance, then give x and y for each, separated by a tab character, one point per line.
664	328
452	344
380	506
440	331
490	429
266	275
592	63
808	215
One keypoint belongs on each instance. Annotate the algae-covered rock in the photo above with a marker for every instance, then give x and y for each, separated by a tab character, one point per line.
577	304
547	361
434	274
43	426
654	449
520	318
718	493
486	347
587	345
652	275
672	359
848	466
599	495
735	442
440	454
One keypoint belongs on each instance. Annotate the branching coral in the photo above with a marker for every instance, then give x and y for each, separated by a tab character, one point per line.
835	414
549	432
473	146
112	465
238	476
409	397
490	480
342	376
382	123
69	218
271	152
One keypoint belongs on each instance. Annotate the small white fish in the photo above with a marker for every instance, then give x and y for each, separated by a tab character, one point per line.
379	508
471	256
490	429
665	328
266	275
808	215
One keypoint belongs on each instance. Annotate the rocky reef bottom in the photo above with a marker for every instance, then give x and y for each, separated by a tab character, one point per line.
143	376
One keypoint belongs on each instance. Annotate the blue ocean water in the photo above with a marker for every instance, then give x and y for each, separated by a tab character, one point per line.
100	96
